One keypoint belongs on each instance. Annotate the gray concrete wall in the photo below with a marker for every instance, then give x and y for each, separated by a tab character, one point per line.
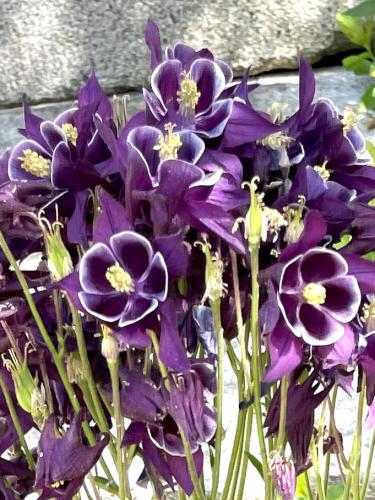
47	47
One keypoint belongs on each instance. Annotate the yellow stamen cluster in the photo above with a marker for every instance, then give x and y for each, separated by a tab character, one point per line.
188	95
276	141
57	484
35	164
71	132
314	294
323	171
169	144
272	222
119	279
349	120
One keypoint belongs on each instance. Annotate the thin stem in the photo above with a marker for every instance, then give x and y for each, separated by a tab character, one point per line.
191	466
16	423
368	468
358	442
245	457
308	487
255	363
162	367
315	461
181	494
332	405
124	490
283	407
50	346
215	306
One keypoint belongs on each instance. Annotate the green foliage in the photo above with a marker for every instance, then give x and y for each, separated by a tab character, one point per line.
335	492
370	146
357	24
256	463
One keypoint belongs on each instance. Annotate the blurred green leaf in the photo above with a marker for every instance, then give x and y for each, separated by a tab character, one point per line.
335	492
344	240
301	489
371	149
257	464
367	100
358	31
106	485
364	9
359	64
369	256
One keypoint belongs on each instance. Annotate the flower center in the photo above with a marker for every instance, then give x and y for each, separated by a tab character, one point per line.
349	120
34	163
119	279
57	484
323	171
314	293
276	140
188	95
71	132
169	144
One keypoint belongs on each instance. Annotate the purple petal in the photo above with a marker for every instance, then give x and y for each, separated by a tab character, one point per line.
212	123
72	285
52	134
16	172
136	309
363	270
172	352
143	140
340	352
318	327
210	82
288	304
174	252
152	39
369	422
165	81
192	147
155	284
65	117
229	163
286	353
132	335
343	298
76	227
93	268
290	279
180	470
157	458
111	220
134	434
133	251
106	307
321	264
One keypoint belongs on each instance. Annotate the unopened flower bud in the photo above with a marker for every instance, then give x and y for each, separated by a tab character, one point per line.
24	383
284	476
39	407
74	368
110	348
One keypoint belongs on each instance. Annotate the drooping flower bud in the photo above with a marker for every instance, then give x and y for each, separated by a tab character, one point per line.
284	476
110	348
24	383
74	368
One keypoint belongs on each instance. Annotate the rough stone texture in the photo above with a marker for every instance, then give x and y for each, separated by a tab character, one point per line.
46	48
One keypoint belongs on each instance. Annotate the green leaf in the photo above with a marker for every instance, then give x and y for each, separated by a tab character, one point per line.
364	9
367	100
370	256
344	240
359	64
256	463
106	485
355	29
370	146
301	489
335	492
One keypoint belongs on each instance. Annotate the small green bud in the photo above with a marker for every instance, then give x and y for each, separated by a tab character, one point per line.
74	368
39	407
24	383
110	348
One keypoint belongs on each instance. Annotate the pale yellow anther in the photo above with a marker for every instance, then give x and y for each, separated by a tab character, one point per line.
169	144
71	132
188	95
349	120
323	171
57	484
35	164
276	140
119	279
314	294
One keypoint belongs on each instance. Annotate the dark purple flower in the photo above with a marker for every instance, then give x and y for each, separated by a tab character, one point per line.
317	296
64	461
122	281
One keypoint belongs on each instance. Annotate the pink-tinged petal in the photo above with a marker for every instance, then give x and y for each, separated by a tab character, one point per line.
363	270
165	81
212	123
155	284
315	228
106	307
133	252
136	309
15	171
340	352
321	264
343	298
180	471
93	268
52	134
317	327
286	353
210	82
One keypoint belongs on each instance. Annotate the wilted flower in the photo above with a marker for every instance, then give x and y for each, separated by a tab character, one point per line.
284	476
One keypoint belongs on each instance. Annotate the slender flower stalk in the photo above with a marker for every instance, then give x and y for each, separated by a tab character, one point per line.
368	467
16	422
358	441
191	466
245	457
283	407
315	461
332	404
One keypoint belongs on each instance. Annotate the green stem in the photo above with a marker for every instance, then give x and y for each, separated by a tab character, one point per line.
358	442
328	456
215	306
191	466
16	423
162	367
368	468
245	457
181	494
282	420
50	346
315	461
308	487
124	490
255	363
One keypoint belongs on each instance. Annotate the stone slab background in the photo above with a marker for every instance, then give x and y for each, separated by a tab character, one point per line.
48	46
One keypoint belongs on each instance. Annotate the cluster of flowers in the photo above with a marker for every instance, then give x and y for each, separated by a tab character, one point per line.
150	256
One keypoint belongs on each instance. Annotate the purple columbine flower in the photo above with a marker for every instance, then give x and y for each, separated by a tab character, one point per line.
122	281
63	462
317	296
